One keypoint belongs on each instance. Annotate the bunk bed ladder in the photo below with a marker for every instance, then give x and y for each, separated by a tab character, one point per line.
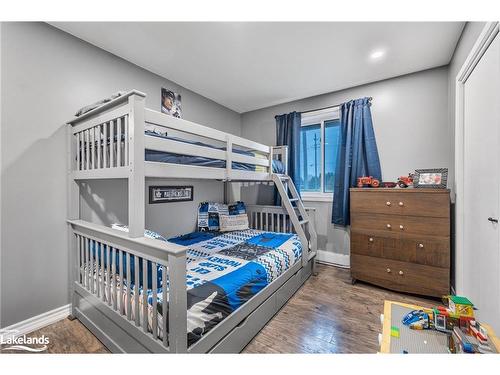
298	215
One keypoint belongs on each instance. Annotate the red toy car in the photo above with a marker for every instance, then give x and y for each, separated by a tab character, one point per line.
405	181
368	181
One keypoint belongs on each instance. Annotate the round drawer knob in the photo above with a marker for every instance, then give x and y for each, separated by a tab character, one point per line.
421	245
401	273
401	204
370	239
388	270
389	226
388	203
401	227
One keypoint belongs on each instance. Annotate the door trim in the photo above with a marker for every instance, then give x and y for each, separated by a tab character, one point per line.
484	40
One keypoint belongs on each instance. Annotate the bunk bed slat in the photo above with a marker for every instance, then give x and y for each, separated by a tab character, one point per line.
154	287
82	151
119	142
91	148
129	301
164	308
92	281
144	295
82	259
105	147
120	292
98	128
113	274
125	119
77	135
136	290
79	259
94	149
87	273
111	144
97	246
103	274
108	274
87	153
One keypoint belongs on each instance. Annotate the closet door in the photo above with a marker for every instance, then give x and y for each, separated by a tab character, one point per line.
481	186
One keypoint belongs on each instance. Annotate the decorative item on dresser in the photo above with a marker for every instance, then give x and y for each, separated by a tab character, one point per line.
400	239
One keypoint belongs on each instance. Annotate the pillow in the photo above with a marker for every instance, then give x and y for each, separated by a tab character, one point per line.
237	208
92	106
147	233
233	222
209	213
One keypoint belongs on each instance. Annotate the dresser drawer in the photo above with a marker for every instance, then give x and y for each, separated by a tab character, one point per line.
415	203
431	226
431	252
372	244
402	276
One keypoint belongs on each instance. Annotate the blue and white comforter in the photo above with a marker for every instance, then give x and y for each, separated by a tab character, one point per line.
223	271
226	270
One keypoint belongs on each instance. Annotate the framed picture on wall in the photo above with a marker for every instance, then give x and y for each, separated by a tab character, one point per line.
431	178
168	194
171	103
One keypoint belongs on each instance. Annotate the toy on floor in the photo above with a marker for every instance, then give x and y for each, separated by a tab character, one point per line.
455	318
417	319
394	331
459	313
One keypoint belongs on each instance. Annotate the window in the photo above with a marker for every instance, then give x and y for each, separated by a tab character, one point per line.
319	137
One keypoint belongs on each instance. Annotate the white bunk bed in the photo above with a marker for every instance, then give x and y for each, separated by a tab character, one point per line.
109	142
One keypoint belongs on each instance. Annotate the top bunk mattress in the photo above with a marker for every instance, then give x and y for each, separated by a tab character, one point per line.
169	157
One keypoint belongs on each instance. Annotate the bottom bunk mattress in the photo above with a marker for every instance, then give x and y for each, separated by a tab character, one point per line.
224	270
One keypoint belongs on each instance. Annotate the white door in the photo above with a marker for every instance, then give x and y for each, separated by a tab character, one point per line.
481	186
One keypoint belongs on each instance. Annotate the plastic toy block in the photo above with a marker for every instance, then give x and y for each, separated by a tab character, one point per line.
394	331
461	300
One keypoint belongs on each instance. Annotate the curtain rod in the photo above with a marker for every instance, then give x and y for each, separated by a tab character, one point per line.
330	106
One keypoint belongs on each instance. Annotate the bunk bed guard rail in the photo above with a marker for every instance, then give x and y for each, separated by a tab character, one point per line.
129	275
109	142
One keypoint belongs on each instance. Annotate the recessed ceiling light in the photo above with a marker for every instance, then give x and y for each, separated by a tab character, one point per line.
377	54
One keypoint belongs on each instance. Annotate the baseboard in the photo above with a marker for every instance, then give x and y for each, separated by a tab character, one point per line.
333	259
36	322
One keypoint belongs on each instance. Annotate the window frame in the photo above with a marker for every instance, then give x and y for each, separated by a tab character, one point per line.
313	118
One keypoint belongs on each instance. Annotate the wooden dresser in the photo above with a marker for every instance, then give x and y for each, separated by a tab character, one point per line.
400	239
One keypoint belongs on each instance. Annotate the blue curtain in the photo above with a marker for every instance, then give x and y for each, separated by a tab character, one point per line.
357	155
288	134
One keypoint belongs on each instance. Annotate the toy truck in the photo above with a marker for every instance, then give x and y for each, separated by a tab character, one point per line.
405	181
368	181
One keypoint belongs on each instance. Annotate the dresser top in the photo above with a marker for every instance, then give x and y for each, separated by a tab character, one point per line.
402	190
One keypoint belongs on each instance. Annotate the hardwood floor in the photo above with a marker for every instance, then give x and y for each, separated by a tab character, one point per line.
327	315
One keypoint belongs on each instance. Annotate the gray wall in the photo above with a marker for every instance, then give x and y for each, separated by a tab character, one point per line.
46	76
410	116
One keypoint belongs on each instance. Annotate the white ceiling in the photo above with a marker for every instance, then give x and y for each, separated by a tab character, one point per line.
246	66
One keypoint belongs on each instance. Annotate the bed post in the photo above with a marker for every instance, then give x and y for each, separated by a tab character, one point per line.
136	179
177	313
73	213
